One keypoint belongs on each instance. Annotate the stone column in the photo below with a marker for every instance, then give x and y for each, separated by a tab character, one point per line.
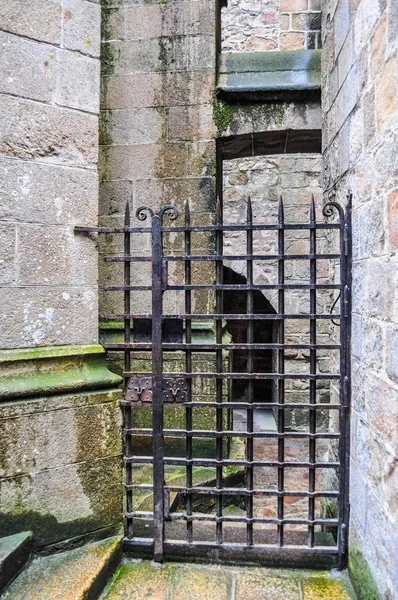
60	449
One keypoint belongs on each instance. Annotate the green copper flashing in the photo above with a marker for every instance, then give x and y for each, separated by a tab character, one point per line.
31	372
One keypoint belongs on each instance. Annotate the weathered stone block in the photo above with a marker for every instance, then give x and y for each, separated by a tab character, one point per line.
40	316
131	127
27	68
378	46
127	162
81	26
292	41
159	20
392	207
293	5
191	123
157	89
55	256
63	502
54	195
41	21
78	81
31	130
189	55
386	94
7	254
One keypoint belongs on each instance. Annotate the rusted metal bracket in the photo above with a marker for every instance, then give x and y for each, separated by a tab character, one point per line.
139	390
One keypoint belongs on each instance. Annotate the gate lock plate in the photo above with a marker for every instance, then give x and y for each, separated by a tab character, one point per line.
139	390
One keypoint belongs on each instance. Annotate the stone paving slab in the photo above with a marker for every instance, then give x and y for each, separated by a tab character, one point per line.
71	575
139	580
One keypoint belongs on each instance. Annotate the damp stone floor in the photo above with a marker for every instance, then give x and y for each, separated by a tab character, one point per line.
142	580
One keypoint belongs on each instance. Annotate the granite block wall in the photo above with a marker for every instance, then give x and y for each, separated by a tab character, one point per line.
157	130
60	444
259	25
49	104
360	89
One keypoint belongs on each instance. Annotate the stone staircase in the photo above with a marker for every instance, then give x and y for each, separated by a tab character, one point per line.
99	572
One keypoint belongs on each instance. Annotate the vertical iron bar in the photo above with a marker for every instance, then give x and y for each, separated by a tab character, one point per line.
281	367
312	415
157	399
345	380
250	340
219	367
127	367
188	368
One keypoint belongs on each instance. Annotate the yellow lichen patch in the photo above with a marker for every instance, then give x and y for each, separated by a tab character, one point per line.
318	589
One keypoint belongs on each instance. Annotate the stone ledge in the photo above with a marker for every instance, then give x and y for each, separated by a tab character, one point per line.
30	372
257	76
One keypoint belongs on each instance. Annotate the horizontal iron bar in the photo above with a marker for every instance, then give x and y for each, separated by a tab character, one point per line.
228	491
240	227
322	376
131	288
233	519
176	545
251	406
210	462
127	258
214	257
221	286
220	434
226	316
213	347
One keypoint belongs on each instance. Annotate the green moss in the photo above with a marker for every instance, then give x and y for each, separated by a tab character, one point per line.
105	137
222	114
109	56
361	577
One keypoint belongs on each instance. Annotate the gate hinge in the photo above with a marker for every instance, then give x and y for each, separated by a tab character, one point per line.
346	300
343	538
345	392
345	239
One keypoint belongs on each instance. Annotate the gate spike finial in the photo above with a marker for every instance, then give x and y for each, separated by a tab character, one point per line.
281	213
218	212
312	210
187	213
249	210
127	214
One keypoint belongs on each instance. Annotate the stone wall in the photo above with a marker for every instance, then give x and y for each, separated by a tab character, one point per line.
360	67
157	130
49	107
60	443
261	25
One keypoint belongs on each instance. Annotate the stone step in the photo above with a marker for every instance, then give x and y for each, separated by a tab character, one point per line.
78	574
137	580
15	552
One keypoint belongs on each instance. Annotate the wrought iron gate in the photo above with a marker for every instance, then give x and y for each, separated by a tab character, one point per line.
217	503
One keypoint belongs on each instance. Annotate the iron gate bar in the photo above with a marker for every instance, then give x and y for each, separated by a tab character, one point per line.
288	286
215	257
281	370
250	345
264	405
222	546
312	442
188	368
229	462
225	316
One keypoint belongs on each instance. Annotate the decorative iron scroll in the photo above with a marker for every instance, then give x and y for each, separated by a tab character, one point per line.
139	390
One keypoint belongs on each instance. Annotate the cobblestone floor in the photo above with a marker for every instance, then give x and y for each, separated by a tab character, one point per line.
139	580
